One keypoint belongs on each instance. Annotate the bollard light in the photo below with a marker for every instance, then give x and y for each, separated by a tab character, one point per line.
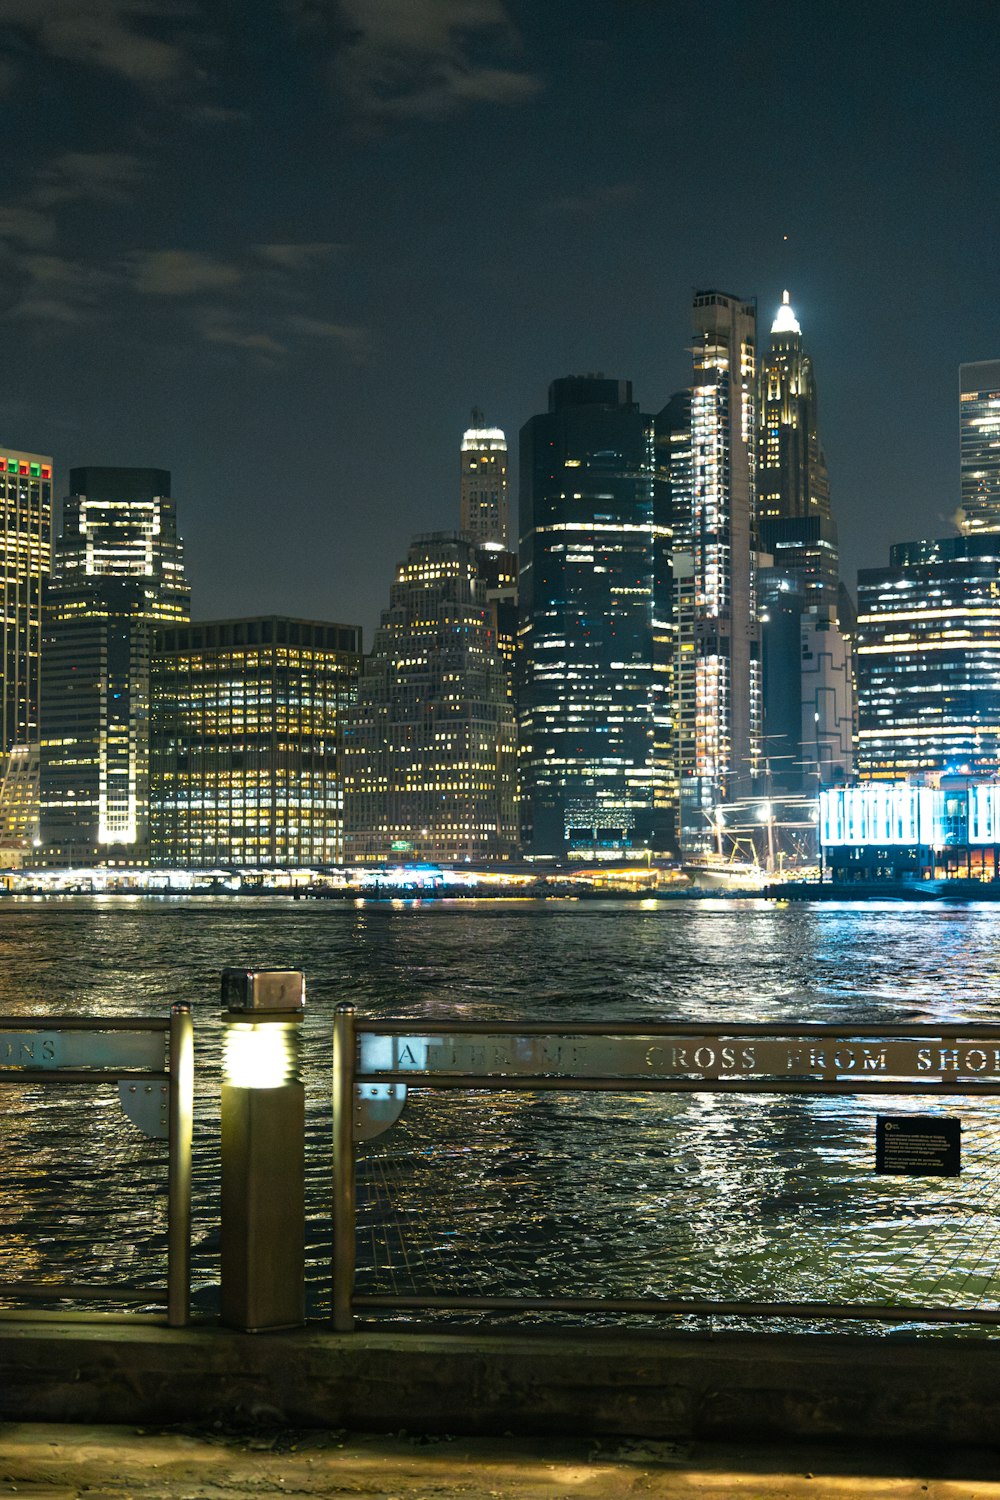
263	1150
260	1055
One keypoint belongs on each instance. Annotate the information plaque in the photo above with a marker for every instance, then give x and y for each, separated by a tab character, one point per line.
918	1145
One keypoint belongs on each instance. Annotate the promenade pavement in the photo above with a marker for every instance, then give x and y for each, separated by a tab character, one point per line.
56	1462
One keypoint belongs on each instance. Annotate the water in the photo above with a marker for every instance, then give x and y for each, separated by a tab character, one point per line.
763	1197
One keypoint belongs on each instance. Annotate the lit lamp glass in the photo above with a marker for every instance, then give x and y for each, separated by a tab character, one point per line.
260	1055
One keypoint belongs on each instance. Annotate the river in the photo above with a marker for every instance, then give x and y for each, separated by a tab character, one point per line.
762	1197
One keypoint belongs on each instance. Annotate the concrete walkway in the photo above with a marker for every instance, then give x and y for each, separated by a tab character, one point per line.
58	1462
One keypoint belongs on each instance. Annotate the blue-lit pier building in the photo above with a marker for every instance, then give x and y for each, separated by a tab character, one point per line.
908	831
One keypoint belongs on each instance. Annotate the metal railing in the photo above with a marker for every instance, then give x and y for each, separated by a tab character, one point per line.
375	1062
152	1062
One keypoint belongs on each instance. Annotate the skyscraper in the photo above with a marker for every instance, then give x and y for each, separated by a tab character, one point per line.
979	446
247	727
595	611
485	506
25	557
808	708
718	661
430	749
118	570
25	560
928	660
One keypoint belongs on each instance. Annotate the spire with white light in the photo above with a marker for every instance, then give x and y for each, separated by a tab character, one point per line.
786	321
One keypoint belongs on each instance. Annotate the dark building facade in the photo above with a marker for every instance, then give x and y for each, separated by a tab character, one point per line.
979	445
927	660
247	726
118	570
595	629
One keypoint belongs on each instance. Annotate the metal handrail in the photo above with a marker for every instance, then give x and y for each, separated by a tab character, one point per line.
178	1077
347	1076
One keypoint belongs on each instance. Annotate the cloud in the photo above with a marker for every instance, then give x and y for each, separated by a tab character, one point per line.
218	326
56	289
23	225
182	273
352	338
420	59
116	36
98	176
591	205
216	114
303	257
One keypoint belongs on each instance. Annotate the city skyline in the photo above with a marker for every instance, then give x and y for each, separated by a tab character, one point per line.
200	274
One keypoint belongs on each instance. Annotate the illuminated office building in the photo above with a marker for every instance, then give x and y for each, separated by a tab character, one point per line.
979	445
718	690
430	757
927	659
807	673
485	504
595	635
118	570
25	561
25	558
19	839
247	727
796	526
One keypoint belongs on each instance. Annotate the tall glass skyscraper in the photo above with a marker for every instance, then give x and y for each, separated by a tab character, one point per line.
595	631
718	646
979	446
928	660
808	703
118	570
796	526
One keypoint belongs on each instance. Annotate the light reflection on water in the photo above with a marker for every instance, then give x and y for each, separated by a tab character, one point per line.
655	1195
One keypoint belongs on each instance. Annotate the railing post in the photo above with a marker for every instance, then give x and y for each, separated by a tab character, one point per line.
179	1132
344	1211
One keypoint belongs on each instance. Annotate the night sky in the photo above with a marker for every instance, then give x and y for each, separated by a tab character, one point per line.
282	247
